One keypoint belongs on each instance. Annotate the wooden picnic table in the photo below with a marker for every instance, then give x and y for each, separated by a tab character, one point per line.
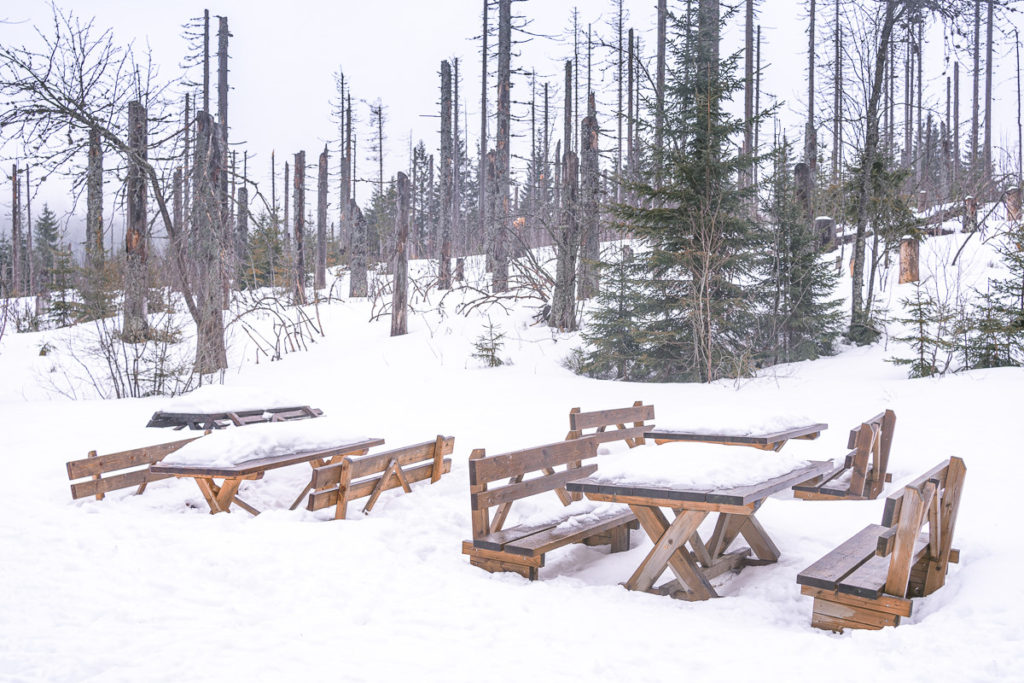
695	567
221	496
773	441
226	418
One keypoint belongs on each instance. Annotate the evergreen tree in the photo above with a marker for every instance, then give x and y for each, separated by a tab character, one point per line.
802	319
64	308
47	248
613	332
698	306
267	265
928	333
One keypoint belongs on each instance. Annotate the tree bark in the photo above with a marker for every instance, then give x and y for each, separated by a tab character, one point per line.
499	281
299	187
15	231
485	225
975	175
357	276
659	105
563	306
94	201
811	132
206	244
987	156
444	279
590	256
320	281
400	292
136	328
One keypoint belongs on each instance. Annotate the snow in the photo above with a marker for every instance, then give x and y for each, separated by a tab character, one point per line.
219	398
695	467
153	588
710	419
236	445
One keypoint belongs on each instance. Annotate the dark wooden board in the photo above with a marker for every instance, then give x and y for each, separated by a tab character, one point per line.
555	537
264	464
210	420
843	560
807	431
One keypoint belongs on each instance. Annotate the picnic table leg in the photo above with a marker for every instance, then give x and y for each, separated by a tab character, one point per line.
670	549
759	540
219	498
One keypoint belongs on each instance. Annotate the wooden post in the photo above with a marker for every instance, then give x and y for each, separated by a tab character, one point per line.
320	280
909	268
299	175
135	305
400	293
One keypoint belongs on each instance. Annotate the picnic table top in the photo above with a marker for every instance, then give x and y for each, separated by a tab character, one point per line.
597	488
809	431
209	420
257	466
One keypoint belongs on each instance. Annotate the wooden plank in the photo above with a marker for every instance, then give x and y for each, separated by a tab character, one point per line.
507	465
665	502
440	446
914	508
495	566
360	489
627	435
828	571
555	537
95	487
743	495
949	502
680	564
496	540
264	464
866	437
865	617
827	623
672	540
606	418
869	580
366	465
469	548
758	539
902	607
529	487
816	482
124	459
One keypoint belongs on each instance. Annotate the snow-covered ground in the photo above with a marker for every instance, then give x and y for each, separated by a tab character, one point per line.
152	587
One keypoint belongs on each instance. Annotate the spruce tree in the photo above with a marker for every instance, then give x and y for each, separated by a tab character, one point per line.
928	334
801	319
47	245
613	332
698	307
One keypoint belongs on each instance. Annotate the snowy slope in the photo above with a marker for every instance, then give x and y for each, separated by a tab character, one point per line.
154	588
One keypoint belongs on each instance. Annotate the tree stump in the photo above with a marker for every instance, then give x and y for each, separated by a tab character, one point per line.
1014	202
909	260
825	228
970	223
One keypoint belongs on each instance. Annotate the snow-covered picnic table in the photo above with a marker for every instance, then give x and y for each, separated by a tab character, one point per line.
217	406
733	483
767	434
238	455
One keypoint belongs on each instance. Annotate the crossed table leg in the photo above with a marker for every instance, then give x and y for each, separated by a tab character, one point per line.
694	569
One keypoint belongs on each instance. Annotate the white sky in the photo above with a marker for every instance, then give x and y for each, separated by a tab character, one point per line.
284	56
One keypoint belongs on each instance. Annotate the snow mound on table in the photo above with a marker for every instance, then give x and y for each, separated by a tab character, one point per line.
695	467
238	445
715	422
218	398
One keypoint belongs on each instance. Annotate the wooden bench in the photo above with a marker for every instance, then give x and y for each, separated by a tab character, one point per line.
867	582
864	472
600	420
238	418
521	548
131	468
359	476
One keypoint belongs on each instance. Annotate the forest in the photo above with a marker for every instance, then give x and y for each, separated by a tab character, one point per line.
644	194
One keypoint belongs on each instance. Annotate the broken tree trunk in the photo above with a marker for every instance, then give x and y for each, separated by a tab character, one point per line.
499	280
400	292
563	307
909	268
320	281
444	278
357	277
136	328
299	190
590	254
94	201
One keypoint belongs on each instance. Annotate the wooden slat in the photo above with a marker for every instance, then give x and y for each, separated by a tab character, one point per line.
868	580
866	617
95	487
360	489
365	465
554	537
529	487
171	419
828	571
471	548
508	465
912	516
902	607
619	434
742	495
668	502
264	464
496	540
949	504
607	418
124	459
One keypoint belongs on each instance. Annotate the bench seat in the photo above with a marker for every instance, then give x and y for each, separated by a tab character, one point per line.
533	540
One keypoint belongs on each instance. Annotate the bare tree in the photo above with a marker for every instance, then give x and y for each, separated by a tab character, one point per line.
136	329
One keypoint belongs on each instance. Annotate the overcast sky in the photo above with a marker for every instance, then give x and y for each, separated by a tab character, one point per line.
284	56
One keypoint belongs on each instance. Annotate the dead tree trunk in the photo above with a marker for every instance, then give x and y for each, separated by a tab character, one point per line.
242	222
444	278
975	103
94	201
499	281
811	133
590	256
400	292
987	155
320	281
206	244
659	104
563	306
228	258
178	217
284	222
748	89
956	125
357	276
485	224
136	328
299	276
15	231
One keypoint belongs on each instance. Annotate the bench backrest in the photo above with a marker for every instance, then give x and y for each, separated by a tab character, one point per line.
600	420
515	466
932	498
359	476
135	461
870	442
